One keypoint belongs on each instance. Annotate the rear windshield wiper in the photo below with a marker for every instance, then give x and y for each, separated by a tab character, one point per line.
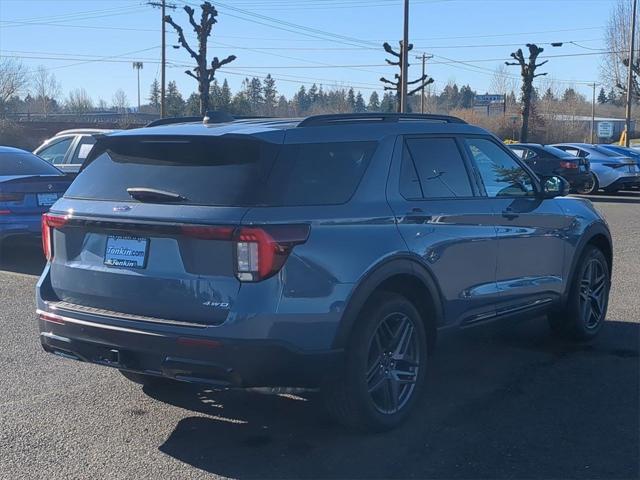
152	195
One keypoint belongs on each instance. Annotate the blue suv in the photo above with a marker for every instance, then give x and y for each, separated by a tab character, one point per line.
321	253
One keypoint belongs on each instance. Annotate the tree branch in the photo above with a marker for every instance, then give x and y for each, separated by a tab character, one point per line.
181	39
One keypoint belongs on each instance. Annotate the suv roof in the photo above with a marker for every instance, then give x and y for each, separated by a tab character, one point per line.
367	124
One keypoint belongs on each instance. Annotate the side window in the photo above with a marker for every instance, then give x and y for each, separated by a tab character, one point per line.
439	166
572	151
501	174
82	150
409	182
55	153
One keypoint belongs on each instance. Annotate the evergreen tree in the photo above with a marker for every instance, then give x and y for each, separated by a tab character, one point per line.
240	105
360	106
374	102
253	89
602	96
467	97
270	95
313	96
613	98
192	107
214	95
549	96
174	101
225	97
351	100
388	103
282	110
301	101
154	95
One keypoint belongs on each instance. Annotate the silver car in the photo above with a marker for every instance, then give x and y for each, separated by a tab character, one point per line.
68	149
611	170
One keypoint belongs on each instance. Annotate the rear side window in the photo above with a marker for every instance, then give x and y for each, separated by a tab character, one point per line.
224	171
56	152
317	174
439	166
24	164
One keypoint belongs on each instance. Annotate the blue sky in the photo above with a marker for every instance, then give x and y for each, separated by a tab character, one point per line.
332	42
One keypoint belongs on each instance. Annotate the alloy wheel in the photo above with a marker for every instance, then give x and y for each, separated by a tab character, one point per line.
593	293
393	363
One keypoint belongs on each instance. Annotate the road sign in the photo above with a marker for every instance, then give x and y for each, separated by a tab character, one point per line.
605	129
487	99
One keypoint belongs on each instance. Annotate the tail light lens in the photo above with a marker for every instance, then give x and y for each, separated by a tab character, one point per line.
262	251
11	197
568	165
50	222
615	165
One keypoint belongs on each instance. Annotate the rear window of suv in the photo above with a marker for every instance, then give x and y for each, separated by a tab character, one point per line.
225	171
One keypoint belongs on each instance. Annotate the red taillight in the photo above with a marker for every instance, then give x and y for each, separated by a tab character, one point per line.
50	221
51	317
5	212
262	251
569	164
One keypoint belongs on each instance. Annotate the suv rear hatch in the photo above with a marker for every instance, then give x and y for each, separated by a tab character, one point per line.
156	226
151	225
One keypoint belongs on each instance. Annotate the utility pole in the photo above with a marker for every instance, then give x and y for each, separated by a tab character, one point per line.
593	114
404	69
424	58
630	75
138	66
162	4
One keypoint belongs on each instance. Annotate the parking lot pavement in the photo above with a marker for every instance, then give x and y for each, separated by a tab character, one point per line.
505	401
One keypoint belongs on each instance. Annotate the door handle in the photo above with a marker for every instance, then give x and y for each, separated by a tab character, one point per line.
509	214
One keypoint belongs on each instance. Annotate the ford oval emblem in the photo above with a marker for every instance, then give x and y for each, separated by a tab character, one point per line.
122	208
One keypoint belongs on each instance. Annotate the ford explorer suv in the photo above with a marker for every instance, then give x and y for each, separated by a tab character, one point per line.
322	253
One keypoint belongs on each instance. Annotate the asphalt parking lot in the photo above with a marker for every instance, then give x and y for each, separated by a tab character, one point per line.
505	401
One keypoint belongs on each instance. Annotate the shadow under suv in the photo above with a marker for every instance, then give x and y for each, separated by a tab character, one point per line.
317	253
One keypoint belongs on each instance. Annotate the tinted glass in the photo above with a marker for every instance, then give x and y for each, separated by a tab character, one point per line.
440	167
556	152
502	175
519	151
224	171
55	153
607	152
409	183
82	150
317	174
25	164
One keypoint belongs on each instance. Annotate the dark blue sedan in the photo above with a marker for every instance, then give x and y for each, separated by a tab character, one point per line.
28	187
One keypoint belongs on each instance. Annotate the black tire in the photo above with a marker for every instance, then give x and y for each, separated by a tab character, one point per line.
589	189
348	399
147	380
583	317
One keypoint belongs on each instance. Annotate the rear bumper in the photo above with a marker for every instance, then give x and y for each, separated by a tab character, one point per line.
187	355
20	225
625	182
577	180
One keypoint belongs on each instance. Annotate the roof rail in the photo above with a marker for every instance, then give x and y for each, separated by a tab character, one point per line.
318	120
170	120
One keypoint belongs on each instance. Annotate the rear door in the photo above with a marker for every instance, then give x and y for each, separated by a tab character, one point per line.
446	223
154	254
531	230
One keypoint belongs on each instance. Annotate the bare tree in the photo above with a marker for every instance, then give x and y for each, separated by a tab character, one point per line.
615	63
79	101
502	81
46	88
14	79
201	73
396	86
120	101
528	72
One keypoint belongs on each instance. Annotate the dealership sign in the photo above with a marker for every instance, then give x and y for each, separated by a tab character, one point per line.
605	129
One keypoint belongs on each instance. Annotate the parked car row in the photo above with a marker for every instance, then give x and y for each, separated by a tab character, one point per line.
588	168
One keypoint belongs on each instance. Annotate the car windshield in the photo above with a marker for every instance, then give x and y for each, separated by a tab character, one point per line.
24	163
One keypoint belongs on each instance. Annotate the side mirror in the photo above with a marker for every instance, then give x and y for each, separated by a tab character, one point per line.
555	187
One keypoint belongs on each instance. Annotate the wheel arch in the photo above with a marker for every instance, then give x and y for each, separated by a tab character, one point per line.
406	276
598	235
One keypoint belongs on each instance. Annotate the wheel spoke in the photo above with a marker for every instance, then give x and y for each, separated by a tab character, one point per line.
402	337
394	391
380	381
